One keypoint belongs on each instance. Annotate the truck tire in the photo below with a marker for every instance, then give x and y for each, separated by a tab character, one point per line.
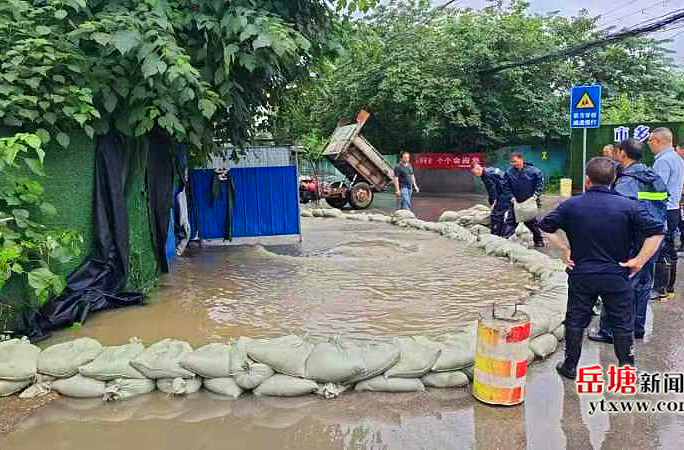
337	202
361	196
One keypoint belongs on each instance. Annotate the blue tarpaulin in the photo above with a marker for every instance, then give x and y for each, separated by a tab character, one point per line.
266	203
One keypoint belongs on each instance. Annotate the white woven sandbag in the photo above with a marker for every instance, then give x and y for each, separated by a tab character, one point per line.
63	360
415	359
79	386
384	384
125	388
162	360
209	361
334	362
11	387
285	354
285	386
445	379
114	362
223	386
18	360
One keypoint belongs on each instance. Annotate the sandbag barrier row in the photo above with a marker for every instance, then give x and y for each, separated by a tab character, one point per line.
288	366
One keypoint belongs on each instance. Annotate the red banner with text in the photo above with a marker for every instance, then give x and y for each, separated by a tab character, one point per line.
446	161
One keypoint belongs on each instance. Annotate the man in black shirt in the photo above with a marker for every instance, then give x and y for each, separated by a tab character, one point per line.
601	227
404	182
502	223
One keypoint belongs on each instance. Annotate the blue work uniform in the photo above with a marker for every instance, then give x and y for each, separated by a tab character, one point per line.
668	165
602	227
523	184
639	182
502	222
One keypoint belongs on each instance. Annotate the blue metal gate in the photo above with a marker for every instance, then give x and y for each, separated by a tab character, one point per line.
266	203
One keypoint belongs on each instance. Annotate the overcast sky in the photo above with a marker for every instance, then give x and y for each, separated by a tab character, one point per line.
622	13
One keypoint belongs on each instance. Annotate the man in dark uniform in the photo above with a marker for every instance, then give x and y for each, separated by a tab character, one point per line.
637	181
524	181
499	199
601	227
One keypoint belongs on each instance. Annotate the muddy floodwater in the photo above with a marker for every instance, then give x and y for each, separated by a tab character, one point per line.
366	281
359	280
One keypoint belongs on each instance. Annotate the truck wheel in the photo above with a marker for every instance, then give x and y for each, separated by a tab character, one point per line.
361	196
337	202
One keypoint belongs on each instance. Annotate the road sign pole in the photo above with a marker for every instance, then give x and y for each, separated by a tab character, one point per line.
584	160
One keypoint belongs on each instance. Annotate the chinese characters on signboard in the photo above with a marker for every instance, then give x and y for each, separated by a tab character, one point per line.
641	133
447	161
588	119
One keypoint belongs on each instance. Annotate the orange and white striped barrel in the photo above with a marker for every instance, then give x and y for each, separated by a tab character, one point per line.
501	357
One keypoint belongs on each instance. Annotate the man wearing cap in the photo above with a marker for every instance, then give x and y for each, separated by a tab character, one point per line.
502	223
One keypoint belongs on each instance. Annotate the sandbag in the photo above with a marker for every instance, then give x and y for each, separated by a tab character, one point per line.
210	361
334	362
332	212
377	358
162	360
305	212
285	386
253	375
331	390
384	384
530	355
544	345
36	390
457	351
114	362
63	360
559	332
403	214
179	386
526	211
415	359
445	379
223	386
11	387
125	388
18	360
448	216
79	386
286	354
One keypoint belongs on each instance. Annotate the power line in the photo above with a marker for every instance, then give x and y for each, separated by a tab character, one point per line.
447	4
640	10
583	48
607	13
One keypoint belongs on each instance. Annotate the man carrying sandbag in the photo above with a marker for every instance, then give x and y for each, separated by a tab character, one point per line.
601	227
524	181
499	198
636	181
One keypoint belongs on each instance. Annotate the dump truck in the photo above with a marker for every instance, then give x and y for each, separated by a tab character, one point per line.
365	170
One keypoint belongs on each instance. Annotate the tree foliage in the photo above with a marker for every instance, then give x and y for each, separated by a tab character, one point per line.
422	74
199	70
28	250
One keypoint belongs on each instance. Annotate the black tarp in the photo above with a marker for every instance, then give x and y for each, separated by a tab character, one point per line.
160	187
97	283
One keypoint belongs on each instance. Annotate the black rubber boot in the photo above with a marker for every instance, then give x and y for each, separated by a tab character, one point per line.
673	278
624	349
573	350
661	279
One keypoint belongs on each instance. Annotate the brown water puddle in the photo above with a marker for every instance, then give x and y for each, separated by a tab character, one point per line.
359	280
